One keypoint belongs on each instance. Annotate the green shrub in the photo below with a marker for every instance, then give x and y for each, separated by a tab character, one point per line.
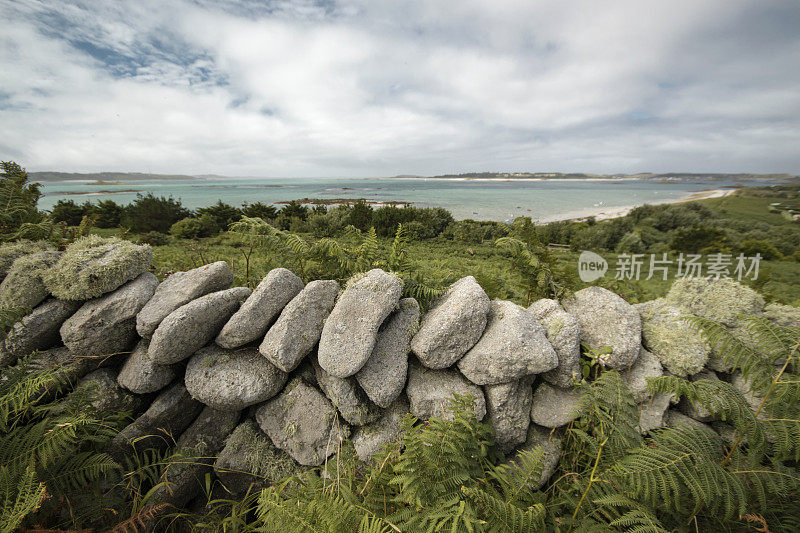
223	214
19	217
154	238
259	210
751	247
698	238
195	227
151	213
69	212
107	214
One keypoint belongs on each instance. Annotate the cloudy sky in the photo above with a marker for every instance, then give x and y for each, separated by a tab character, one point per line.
377	88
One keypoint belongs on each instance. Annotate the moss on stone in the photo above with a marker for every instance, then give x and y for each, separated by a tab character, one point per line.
783	315
253	452
93	266
11	251
23	287
681	349
722	300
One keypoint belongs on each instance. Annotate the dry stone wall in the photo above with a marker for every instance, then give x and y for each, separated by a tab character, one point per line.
269	381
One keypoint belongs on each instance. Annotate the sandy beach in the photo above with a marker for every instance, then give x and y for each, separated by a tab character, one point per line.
605	213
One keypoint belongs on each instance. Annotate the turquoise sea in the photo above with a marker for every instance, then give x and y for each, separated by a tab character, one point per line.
500	200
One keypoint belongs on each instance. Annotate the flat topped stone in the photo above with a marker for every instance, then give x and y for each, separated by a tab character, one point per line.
679	347
554	407
452	325
351	330
192	326
37	331
347	396
107	325
606	320
179	289
564	334
249	460
232	379
430	392
513	345
93	266
252	320
24	288
141	375
303	422
384	374
299	326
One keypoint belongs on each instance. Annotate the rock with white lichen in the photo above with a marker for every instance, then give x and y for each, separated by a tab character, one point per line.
679	347
232	379
554	407
509	407
299	326
249	460
347	396
783	315
37	331
24	286
11	251
141	375
179	289
452	325
513	345
430	392
260	310
606	320
722	299
107	324
370	439
93	266
564	333
350	332
303	422
192	326
384	374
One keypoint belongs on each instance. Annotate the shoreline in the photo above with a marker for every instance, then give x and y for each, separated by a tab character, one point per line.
607	213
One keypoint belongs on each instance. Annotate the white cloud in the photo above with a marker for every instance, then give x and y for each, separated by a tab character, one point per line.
378	88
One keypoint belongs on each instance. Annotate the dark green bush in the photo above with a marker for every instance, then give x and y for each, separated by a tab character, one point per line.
697	238
223	214
195	227
69	212
259	210
107	214
153	213
154	238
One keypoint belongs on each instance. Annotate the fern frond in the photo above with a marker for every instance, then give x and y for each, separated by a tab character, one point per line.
503	515
20	495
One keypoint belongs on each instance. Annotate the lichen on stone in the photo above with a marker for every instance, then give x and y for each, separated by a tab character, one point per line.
681	349
783	315
248	449
11	251
94	265
23	287
722	299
